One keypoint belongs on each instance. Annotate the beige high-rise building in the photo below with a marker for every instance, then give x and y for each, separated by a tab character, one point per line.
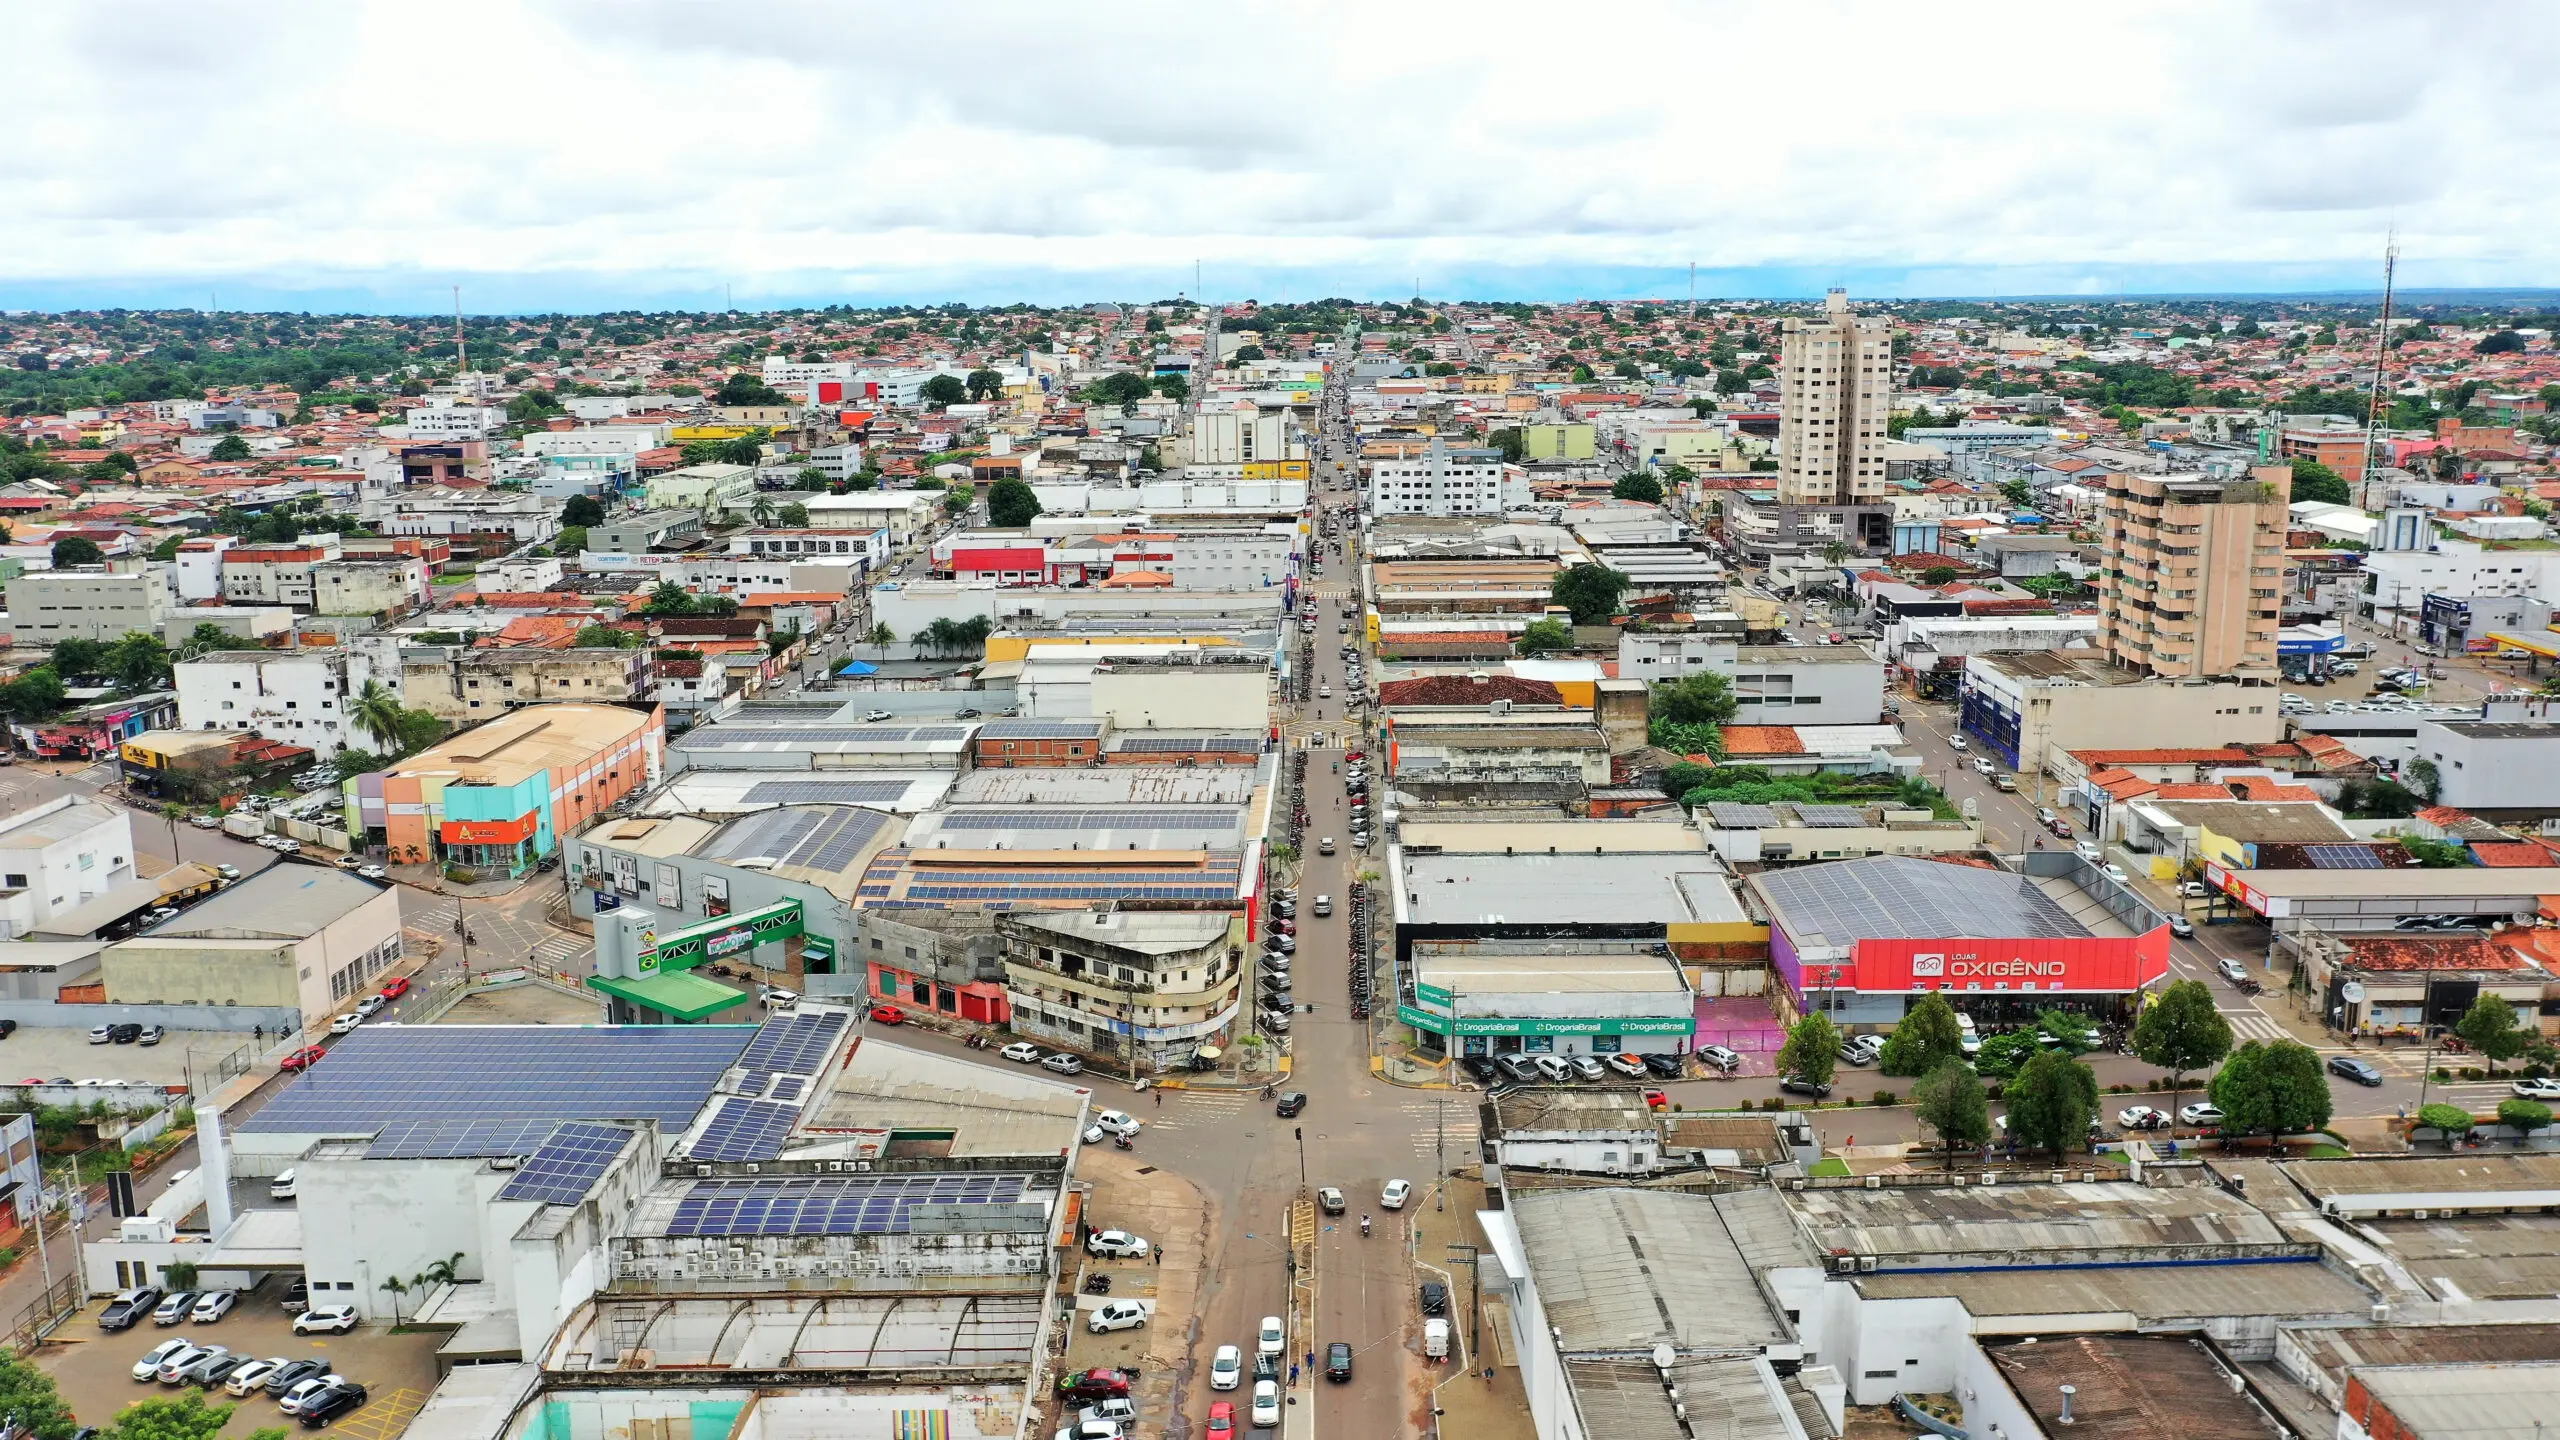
1835	388
2194	574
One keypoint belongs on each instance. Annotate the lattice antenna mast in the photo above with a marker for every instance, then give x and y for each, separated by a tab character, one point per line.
2381	355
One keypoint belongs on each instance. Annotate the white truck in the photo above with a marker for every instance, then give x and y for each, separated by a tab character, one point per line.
1435	1339
244	825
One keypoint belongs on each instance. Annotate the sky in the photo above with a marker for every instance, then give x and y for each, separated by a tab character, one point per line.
568	155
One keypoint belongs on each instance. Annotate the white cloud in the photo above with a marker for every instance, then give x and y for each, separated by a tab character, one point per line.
295	142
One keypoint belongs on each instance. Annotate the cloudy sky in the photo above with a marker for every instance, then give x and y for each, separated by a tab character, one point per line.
653	153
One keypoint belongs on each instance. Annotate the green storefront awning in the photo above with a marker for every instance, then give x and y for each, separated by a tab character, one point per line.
680	993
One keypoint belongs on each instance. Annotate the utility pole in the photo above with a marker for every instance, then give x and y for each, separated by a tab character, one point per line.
1440	1154
1475	1307
461	354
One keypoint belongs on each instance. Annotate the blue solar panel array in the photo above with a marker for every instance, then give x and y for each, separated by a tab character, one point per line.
745	1130
792	1045
832	1204
2342	857
568	1164
433	1091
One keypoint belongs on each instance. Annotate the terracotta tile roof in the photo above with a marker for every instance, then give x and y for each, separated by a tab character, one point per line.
1467	690
2511	854
2469	950
2190	792
1762	740
2444	815
2259	787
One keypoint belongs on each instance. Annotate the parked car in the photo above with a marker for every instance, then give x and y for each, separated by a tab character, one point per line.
1668	1067
1270	1338
336	1400
346	1024
398	987
888	1015
1631	1066
252	1375
212	1305
1063	1064
1479	1068
173	1371
1116	1315
128	1308
1021	1052
1715	1056
371	1005
2143	1117
1222	1421
302	1059
283	1378
2203	1112
1116	1244
307	1391
148	1367
1798	1085
1517	1069
1862	1049
2362	1072
1226	1368
212	1370
1122	1411
1552	1068
1585	1067
173	1310
331	1320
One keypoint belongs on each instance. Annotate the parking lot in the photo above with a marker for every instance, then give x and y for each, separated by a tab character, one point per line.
94	1368
34	1054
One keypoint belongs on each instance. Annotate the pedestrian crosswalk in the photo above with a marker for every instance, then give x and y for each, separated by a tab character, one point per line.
1442	1130
559	949
1196	1110
2249	1025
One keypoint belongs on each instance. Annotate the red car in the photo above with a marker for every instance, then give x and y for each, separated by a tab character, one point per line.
1655	1099
304	1058
888	1014
395	989
1222	1418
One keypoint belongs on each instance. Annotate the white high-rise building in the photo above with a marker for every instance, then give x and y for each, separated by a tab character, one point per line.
1835	389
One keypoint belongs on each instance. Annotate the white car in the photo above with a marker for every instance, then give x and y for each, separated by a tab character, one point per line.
2536	1089
252	1376
1394	1194
148	1367
212	1306
1271	1338
1226	1368
205	822
1958	744
1118	1122
1266	1402
2202	1112
1091	1430
1116	1242
331	1320
1116	1315
308	1390
346	1024
2142	1117
1119	1411
1021	1052
2116	873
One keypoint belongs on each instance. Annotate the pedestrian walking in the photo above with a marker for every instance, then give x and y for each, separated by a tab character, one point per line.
1159	1099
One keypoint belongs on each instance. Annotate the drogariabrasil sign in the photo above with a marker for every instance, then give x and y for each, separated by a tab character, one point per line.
719	939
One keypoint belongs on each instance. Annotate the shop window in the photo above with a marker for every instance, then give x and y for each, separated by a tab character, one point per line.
921	993
946	999
1607	1044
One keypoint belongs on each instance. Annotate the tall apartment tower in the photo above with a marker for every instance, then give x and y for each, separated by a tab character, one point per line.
1835	388
2194	575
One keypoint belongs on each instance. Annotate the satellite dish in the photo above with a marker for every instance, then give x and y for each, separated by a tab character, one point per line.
1663	1357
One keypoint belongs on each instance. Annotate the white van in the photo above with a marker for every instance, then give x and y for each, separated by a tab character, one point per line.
1435	1339
281	1188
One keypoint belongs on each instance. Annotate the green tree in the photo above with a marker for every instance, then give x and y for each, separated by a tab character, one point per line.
880	638
2452	1120
1012	503
2271	1089
377	712
760	510
2524	1117
1950	1100
2052	1102
2489	1027
1938	575
206	638
570	540
28	1393
139	662
1173	387
1512	441
1678	780
809	478
79	656
1543	636
398	1290
2018	493
608	637
743	388
2182	1033
1704	697
959	500
187	1418
1812	1050
2423	779
668	598
1927	1038
1636	485
229	449
582	510
1580	375
1122	388
35	695
794	516
943	391
985	385
73	550
2315	481
1589	591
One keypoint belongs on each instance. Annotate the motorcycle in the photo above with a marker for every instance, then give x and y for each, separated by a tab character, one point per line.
1121	1142
1364	1227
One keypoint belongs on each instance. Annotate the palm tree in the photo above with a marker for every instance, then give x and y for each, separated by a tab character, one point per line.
378	713
762	510
444	1272
397	1287
1833	552
881	638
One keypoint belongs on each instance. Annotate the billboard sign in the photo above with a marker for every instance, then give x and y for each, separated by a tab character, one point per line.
2084	964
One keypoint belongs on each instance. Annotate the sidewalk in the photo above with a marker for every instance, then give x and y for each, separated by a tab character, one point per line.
1175	1218
1457	1392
